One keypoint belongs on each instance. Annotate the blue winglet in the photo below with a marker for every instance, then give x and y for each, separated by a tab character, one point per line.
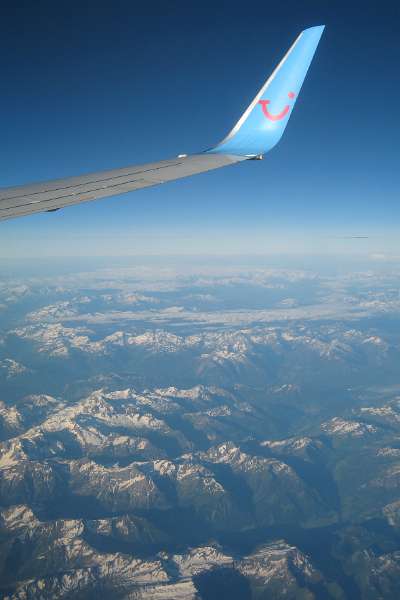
262	125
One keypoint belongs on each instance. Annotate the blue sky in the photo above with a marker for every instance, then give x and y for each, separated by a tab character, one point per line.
96	85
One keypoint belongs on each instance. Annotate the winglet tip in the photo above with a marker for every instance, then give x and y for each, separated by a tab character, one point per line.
315	29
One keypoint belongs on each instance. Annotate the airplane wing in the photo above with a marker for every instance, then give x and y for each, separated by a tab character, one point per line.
55	194
257	131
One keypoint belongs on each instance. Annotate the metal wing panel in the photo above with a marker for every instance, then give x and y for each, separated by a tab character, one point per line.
55	194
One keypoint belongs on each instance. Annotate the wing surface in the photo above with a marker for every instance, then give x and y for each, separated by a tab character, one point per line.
55	194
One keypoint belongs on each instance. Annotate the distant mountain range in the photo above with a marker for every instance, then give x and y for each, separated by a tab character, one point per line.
163	439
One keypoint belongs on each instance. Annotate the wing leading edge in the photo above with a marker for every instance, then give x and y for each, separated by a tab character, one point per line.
258	130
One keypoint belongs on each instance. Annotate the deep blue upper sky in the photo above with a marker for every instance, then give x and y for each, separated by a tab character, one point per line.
94	85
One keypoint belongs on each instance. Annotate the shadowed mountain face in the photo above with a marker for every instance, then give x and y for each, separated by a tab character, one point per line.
197	433
220	583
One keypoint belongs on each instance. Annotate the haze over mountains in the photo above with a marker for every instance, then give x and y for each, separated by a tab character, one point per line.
200	431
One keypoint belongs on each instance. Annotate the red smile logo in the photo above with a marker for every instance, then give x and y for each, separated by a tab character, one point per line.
280	115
